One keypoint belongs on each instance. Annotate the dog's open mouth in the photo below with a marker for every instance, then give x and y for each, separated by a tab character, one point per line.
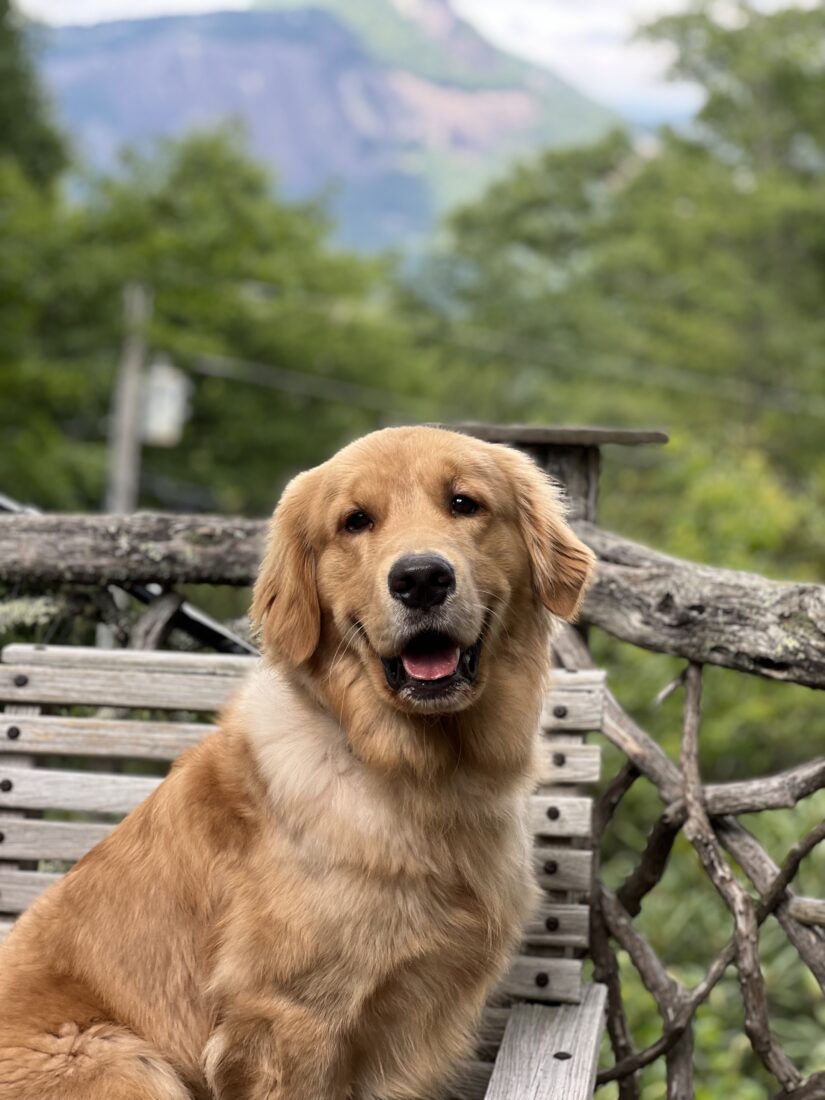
432	664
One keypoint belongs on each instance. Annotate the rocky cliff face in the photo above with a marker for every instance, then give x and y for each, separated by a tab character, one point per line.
395	106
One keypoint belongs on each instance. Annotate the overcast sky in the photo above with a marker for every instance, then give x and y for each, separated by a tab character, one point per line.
585	41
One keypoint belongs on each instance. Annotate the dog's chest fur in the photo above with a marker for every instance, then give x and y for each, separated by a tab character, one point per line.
380	886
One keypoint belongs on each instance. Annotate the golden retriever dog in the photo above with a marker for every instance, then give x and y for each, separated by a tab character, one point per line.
316	902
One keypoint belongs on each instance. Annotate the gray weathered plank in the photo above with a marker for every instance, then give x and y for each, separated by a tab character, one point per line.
567	869
146	660
98	737
560	815
574	702
550	1053
565	763
550	981
559	925
127	687
5	928
22	839
96	792
18	889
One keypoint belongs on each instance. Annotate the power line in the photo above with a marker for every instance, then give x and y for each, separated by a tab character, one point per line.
302	384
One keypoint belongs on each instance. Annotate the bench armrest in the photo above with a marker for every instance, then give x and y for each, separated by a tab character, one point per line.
550	1053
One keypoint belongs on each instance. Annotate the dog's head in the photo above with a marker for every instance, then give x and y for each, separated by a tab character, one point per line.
416	556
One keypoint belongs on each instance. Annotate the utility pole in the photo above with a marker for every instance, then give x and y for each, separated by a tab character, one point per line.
127	404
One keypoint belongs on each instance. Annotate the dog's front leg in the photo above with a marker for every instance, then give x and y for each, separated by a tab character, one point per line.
275	1049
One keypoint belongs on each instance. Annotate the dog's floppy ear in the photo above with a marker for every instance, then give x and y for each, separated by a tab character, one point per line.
285	604
561	564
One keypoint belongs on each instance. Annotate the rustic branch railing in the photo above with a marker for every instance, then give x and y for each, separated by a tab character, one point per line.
705	814
704	614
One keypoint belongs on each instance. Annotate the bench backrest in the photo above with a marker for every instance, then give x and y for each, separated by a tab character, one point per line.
67	776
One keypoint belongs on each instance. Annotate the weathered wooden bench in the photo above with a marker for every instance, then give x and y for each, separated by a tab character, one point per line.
541	1031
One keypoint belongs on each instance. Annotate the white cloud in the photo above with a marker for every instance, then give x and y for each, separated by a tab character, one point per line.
99	11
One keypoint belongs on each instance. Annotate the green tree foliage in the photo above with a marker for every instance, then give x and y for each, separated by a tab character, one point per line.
235	273
27	133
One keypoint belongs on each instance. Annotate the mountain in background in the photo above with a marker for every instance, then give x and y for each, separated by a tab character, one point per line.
399	106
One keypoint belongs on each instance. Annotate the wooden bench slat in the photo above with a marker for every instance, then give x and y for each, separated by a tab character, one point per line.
564	869
107	687
569	925
567	763
23	839
18	889
149	660
575	701
544	980
53	789
560	815
529	1066
98	737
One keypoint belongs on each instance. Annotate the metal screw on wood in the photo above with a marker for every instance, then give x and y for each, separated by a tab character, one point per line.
542	980
13	732
559	759
562	1055
20	680
5	785
553	813
560	712
550	867
552	924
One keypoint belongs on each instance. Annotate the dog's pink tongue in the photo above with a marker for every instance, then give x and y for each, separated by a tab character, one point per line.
431	666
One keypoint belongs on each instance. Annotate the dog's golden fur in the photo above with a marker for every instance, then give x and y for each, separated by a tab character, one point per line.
316	901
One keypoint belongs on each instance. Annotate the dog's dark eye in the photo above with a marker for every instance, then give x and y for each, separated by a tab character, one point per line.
357	521
464	506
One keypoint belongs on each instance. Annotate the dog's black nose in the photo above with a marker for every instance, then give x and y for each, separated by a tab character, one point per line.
421	580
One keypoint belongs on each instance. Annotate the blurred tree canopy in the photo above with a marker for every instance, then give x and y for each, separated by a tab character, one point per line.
242	283
27	133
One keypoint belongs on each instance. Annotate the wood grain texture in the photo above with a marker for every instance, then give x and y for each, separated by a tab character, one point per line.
556	925
559	763
23	839
99	737
57	789
705	614
550	1053
550	981
564	869
127	687
560	815
18	889
134	549
85	657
